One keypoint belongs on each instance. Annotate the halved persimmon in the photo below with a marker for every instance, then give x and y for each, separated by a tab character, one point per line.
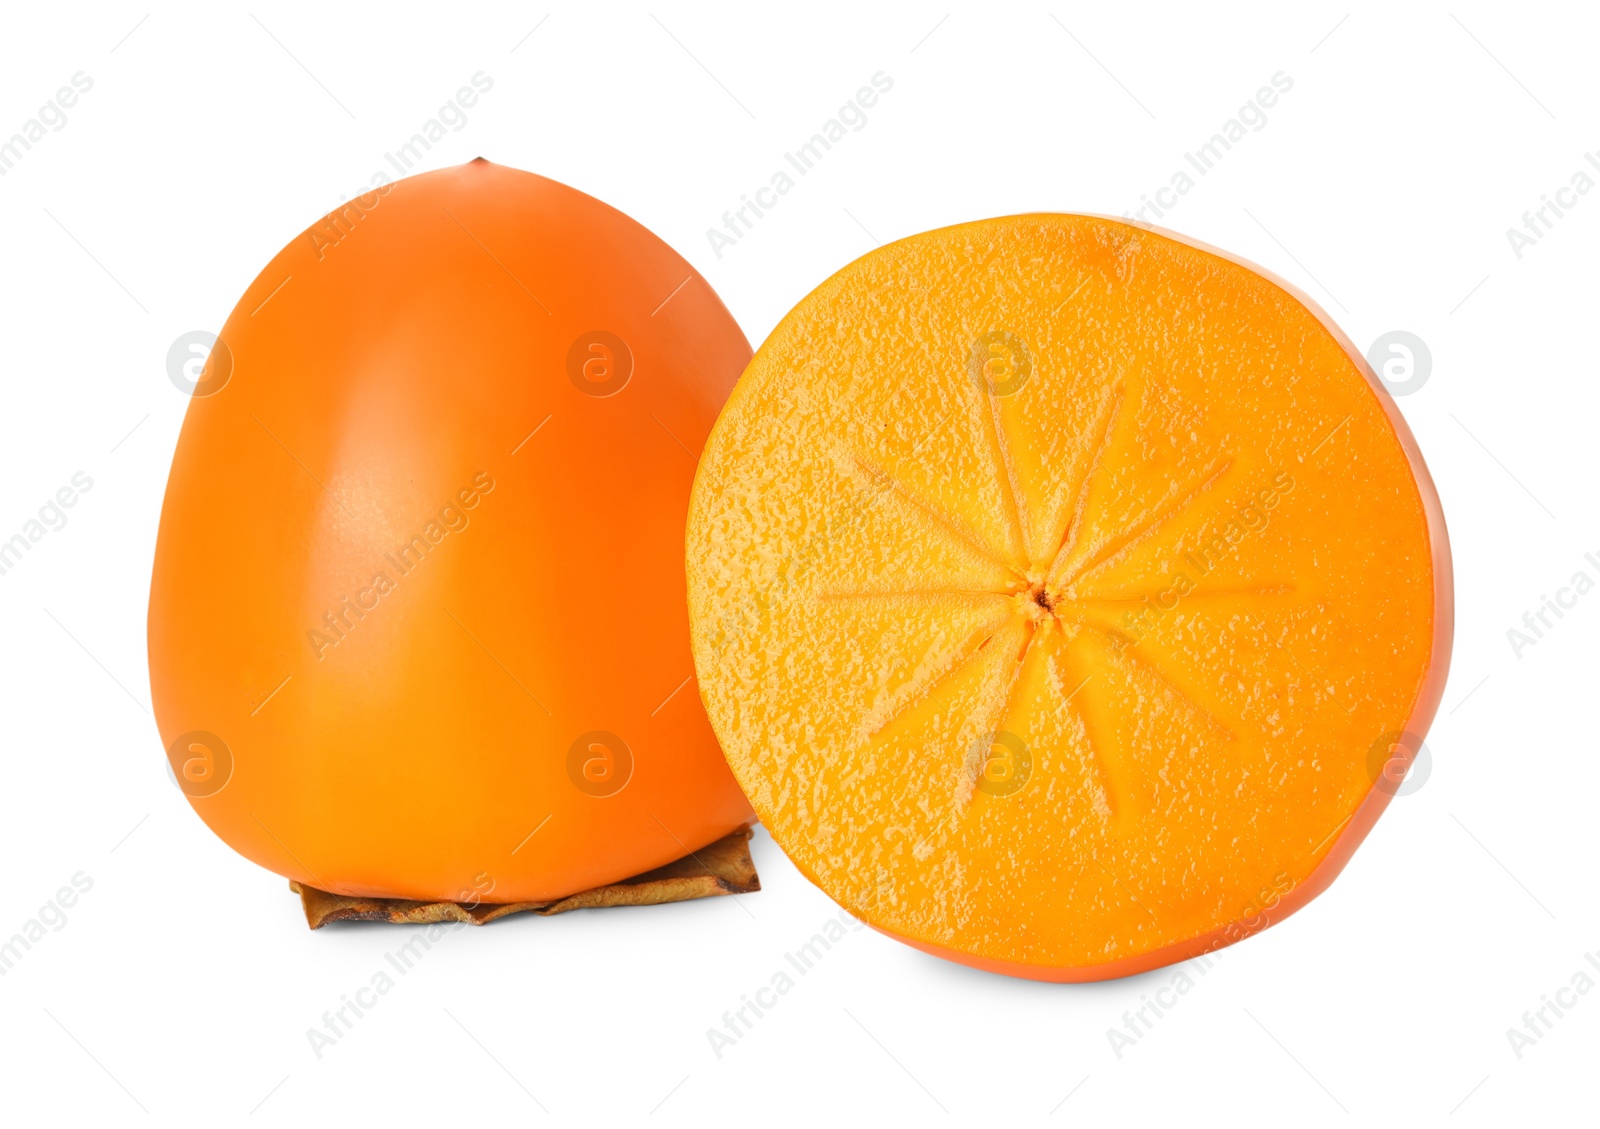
417	620
1066	596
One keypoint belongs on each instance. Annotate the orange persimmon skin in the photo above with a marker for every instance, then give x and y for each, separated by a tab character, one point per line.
418	585
1123	507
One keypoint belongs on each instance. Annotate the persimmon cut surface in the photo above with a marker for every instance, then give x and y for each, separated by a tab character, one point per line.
417	619
1066	596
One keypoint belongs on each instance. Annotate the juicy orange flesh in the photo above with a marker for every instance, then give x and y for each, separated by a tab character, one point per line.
1050	582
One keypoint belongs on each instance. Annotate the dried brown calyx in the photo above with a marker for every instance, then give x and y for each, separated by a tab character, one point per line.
724	867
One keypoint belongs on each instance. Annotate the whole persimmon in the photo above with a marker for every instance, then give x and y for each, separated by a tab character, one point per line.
417	619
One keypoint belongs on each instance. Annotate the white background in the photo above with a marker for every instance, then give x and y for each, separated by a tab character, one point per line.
181	986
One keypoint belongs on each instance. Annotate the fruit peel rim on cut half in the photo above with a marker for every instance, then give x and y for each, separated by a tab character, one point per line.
1431	691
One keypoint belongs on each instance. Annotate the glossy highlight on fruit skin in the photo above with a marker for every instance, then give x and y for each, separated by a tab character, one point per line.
417	621
1066	595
